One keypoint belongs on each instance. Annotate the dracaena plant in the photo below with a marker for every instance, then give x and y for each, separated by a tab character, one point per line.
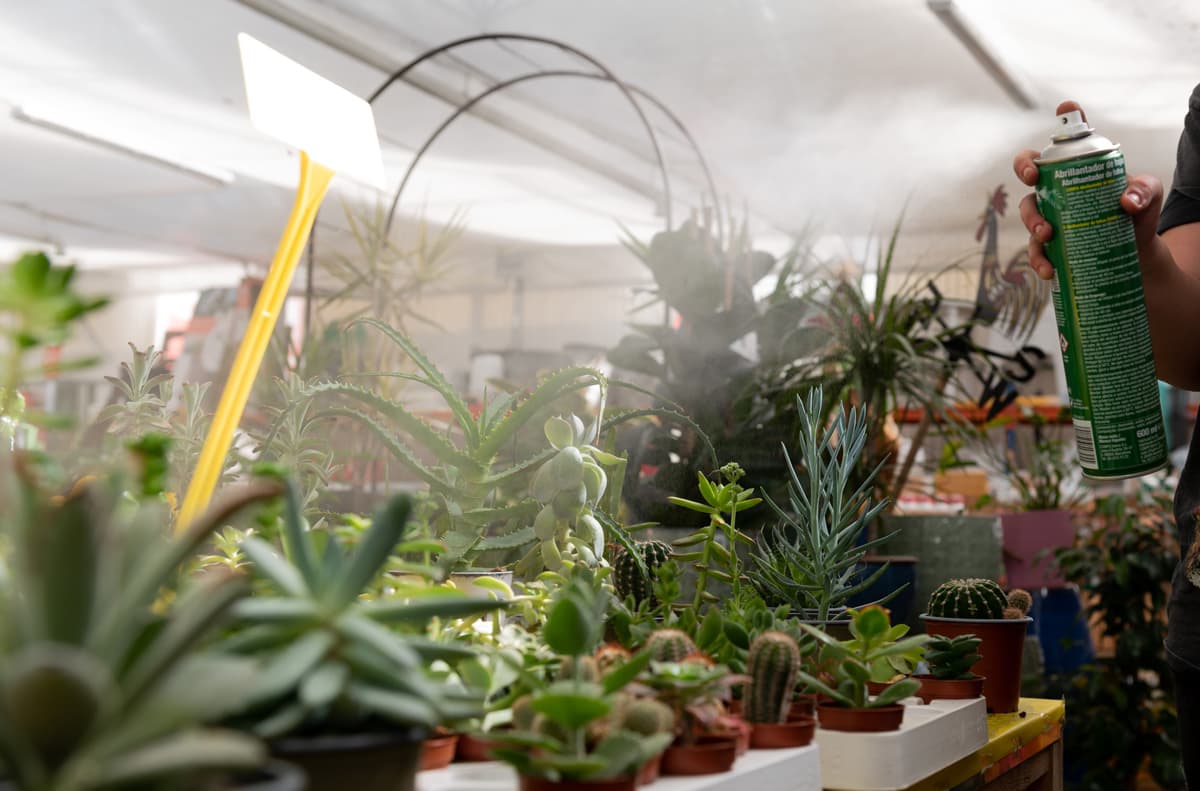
102	683
811	558
877	651
334	662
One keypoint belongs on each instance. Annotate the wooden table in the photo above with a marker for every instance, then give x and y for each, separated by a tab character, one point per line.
1024	751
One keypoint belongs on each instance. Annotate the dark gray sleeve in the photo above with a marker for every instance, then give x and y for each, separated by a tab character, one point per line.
1183	201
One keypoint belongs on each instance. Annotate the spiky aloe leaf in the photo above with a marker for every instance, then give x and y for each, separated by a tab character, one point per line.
400	450
548	390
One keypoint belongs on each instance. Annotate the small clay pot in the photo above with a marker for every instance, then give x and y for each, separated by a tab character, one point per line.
738	729
775	736
438	751
803	707
710	755
474	747
877	687
650	771
949	688
542	784
879	718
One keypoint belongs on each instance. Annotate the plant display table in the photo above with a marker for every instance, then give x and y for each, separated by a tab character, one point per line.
757	770
1023	750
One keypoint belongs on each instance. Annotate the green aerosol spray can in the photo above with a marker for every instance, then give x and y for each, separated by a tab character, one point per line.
1103	330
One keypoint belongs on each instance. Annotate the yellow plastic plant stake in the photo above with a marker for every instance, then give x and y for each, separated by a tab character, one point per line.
333	129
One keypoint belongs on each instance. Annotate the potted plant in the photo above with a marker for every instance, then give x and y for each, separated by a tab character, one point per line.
950	660
773	666
979	607
102	680
695	689
810	560
570	733
873	644
344	693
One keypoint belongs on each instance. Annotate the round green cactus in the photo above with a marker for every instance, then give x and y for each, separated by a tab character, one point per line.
1020	600
772	665
629	580
973	599
669	645
646	717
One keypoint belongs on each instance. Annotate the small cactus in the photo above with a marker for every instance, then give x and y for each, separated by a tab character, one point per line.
646	717
973	599
523	713
610	656
772	665
1021	601
589	669
669	645
1012	614
629	580
952	658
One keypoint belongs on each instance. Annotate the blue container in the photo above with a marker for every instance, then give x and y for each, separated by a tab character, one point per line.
901	572
1060	623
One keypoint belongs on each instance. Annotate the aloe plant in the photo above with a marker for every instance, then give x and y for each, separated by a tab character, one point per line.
101	682
334	662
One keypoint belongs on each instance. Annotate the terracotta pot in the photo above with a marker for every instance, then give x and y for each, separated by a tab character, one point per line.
949	688
438	751
542	784
880	718
271	776
365	762
803	707
736	707
473	747
1002	645
876	687
710	755
735	728
773	736
650	771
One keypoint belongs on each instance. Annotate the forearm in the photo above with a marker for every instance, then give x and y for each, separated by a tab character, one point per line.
1169	276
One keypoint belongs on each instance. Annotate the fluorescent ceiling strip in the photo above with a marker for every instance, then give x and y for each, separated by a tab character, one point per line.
71	128
971	37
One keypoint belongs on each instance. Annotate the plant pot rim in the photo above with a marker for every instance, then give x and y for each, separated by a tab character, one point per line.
939	619
334	742
932	677
834	705
890	559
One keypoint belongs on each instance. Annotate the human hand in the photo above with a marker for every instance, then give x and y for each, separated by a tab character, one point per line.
1142	200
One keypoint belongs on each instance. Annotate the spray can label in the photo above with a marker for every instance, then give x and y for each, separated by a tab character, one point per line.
1103	330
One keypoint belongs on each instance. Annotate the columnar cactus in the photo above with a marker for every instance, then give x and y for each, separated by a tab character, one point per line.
629	580
974	599
669	645
1020	602
772	664
952	658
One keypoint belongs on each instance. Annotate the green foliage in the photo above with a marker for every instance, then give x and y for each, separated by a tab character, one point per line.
570	728
810	560
968	598
101	681
876	651
712	558
297	440
695	690
631	578
952	658
1122	706
334	662
773	665
40	308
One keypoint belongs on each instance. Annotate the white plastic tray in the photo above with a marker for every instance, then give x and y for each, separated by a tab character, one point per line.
930	738
757	770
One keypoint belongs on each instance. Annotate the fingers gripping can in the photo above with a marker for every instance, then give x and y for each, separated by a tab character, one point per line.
1103	330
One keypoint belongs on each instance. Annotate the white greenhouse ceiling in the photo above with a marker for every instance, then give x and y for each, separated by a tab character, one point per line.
833	116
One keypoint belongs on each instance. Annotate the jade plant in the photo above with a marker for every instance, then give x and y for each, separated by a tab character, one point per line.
716	543
773	665
334	662
573	728
951	658
873	652
811	558
102	680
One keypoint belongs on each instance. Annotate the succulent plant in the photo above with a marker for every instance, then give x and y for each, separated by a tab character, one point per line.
646	717
669	645
628	577
585	668
611	656
973	599
1021	601
772	664
952	658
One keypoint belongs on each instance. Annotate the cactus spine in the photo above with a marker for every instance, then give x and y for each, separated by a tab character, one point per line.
669	645
1021	601
974	599
646	717
629	580
772	664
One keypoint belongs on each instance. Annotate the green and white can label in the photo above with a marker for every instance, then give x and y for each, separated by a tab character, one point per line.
1103	330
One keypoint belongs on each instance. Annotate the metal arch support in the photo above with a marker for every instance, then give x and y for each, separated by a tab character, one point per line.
637	108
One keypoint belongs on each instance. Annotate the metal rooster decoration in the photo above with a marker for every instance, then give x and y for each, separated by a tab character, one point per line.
1012	300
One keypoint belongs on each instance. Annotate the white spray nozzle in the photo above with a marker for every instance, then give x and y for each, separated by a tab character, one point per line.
1071	125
